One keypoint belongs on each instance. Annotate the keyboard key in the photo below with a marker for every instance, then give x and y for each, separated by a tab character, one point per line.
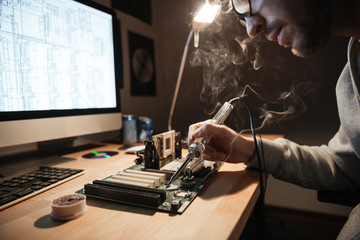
45	184
24	192
7	189
37	187
12	193
5	184
7	200
37	183
63	176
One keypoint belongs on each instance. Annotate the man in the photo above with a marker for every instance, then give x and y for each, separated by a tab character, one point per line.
304	26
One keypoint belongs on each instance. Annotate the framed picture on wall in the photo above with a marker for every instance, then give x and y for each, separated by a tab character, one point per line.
142	64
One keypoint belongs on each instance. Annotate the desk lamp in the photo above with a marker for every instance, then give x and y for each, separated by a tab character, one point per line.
204	16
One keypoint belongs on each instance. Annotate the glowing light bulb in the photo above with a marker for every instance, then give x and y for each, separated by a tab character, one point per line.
207	13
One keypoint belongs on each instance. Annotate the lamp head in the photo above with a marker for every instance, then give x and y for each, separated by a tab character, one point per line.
205	15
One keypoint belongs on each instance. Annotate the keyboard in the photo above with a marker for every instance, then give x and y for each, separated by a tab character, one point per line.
19	188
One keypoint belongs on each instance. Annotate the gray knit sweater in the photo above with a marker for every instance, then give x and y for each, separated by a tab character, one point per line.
335	166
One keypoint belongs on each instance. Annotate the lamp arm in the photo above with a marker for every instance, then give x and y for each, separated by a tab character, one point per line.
180	74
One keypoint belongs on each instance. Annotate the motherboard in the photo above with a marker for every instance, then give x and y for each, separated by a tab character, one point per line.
145	183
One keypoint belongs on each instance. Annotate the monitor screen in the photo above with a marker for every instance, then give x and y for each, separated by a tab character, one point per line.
60	63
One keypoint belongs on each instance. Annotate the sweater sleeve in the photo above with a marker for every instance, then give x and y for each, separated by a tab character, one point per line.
326	167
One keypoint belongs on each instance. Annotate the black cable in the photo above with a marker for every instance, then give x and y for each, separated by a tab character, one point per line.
263	158
259	209
256	149
262	188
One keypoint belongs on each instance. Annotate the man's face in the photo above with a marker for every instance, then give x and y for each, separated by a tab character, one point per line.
303	25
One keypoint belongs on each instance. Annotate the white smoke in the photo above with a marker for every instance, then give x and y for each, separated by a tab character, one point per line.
227	56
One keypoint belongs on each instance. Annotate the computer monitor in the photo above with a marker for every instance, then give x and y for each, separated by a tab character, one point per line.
60	70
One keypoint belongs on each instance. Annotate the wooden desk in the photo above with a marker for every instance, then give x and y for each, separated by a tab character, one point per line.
219	212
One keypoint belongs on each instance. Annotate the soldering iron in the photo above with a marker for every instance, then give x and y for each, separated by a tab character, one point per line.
196	149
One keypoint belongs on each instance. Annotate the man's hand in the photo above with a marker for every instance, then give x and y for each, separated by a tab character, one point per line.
225	144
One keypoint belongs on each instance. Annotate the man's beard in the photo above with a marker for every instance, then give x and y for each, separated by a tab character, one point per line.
309	39
315	30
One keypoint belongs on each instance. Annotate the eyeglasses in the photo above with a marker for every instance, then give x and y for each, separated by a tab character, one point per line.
242	9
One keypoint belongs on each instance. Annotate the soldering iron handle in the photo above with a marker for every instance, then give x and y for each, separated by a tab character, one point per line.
219	118
223	113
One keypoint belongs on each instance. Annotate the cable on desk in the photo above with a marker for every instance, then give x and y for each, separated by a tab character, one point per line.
259	209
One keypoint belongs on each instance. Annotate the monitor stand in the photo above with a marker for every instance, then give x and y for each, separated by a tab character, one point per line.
55	145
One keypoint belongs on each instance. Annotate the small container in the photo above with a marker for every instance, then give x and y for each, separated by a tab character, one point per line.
68	207
129	129
145	128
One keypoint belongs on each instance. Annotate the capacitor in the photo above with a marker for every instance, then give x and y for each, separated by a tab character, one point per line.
175	205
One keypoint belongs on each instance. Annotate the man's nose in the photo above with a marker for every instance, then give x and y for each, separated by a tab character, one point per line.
255	25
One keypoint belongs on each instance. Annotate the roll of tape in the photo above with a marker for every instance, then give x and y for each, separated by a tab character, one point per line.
68	207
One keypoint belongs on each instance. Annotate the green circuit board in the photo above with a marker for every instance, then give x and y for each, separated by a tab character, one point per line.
176	198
